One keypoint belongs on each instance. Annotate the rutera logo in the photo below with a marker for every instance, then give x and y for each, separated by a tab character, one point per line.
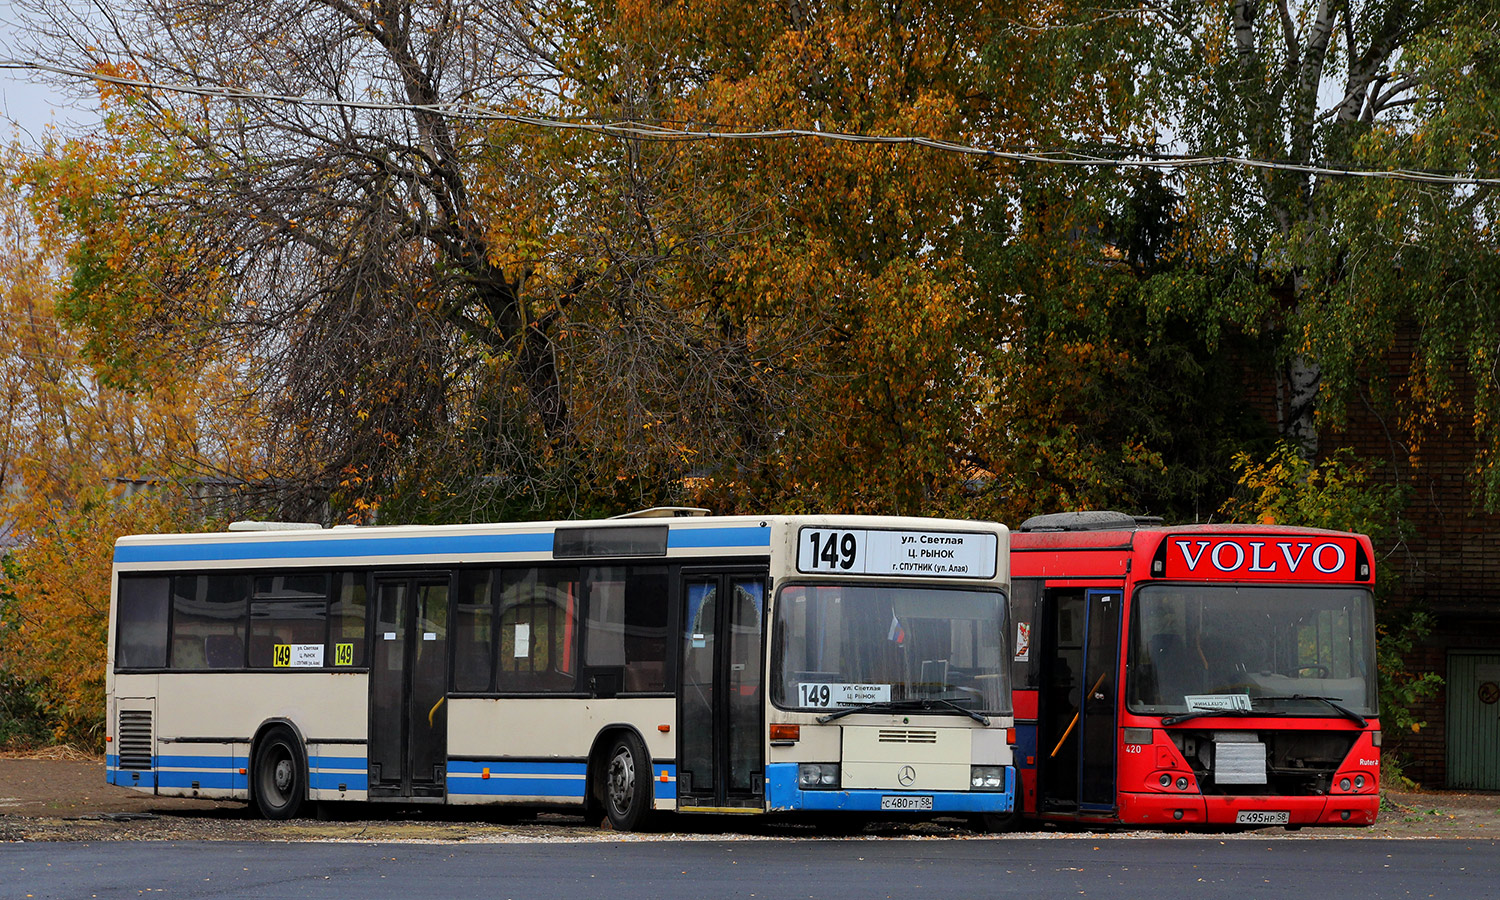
1260	556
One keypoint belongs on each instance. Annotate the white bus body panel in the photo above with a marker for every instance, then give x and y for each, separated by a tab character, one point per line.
554	736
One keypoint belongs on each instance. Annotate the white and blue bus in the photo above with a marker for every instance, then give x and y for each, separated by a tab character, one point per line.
771	665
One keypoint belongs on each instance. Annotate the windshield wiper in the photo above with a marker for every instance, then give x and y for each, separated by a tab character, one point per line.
932	704
1200	713
1344	711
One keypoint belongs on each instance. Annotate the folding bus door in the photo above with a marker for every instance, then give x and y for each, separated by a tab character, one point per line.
720	761
1076	728
408	687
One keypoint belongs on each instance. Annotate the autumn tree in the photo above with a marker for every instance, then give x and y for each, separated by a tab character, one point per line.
1101	401
459	316
72	451
850	255
1335	268
350	243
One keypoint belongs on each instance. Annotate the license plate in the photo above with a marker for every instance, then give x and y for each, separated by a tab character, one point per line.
918	803
1262	817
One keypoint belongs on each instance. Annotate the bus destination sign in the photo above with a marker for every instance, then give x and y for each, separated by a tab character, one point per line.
1261	558
915	554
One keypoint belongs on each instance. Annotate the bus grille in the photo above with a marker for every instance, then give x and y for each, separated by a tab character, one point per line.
907	736
135	739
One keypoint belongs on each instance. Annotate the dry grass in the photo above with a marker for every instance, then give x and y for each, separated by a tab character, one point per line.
61	751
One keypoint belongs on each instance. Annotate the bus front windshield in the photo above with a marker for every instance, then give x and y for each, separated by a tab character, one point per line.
1246	650
843	646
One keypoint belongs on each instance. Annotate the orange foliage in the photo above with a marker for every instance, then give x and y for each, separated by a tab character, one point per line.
70	449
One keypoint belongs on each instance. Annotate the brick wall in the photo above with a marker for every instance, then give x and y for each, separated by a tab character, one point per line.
1449	564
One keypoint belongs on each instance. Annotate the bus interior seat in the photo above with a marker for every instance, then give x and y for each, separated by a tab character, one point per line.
224	651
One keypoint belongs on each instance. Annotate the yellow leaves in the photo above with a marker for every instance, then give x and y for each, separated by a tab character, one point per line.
85	462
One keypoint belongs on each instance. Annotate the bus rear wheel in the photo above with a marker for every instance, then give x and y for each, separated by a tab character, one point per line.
627	784
278	778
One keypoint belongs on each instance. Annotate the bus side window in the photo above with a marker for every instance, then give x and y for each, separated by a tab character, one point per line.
646	630
473	631
627	624
347	620
286	611
604	641
538	630
141	622
208	621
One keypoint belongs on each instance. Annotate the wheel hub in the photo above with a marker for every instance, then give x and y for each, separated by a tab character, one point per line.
283	775
621	780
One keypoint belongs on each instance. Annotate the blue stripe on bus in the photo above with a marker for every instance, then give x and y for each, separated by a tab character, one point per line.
238	761
664	790
521	779
474	786
183	771
131	778
749	536
352	763
783	794
514	779
517	779
340	781
425	545
507	769
224	780
422	545
201	762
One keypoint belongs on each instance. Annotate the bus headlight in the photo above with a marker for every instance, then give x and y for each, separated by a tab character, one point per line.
987	778
811	776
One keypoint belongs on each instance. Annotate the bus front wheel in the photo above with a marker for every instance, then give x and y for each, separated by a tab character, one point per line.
279	780
627	784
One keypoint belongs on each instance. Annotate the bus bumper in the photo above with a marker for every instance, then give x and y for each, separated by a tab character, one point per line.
1192	809
783	795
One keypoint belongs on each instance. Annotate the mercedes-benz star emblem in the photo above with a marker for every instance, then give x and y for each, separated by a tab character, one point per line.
906	776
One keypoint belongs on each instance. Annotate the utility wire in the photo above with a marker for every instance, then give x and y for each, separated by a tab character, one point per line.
652	132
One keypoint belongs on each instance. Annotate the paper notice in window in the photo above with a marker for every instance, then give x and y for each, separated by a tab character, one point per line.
523	640
1217	701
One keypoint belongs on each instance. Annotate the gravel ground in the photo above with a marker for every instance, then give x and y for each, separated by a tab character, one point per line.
66	799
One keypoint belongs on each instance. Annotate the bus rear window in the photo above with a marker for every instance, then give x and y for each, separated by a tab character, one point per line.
141	623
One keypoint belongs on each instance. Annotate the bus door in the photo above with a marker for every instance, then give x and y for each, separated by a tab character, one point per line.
720	755
408	682
1076	727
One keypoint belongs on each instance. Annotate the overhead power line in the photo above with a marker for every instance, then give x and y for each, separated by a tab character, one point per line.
655	132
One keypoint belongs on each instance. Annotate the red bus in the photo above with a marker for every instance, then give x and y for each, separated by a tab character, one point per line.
1193	676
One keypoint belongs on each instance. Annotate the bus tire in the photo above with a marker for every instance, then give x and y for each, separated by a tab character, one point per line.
627	784
278	780
997	823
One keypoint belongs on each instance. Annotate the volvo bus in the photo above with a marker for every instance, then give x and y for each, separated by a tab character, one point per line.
749	665
1196	676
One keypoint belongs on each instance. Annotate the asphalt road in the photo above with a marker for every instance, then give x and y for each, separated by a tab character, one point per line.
776	870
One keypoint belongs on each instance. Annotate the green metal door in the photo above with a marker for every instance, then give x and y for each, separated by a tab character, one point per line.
1474	721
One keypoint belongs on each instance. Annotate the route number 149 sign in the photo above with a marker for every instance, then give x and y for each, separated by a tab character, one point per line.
917	554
